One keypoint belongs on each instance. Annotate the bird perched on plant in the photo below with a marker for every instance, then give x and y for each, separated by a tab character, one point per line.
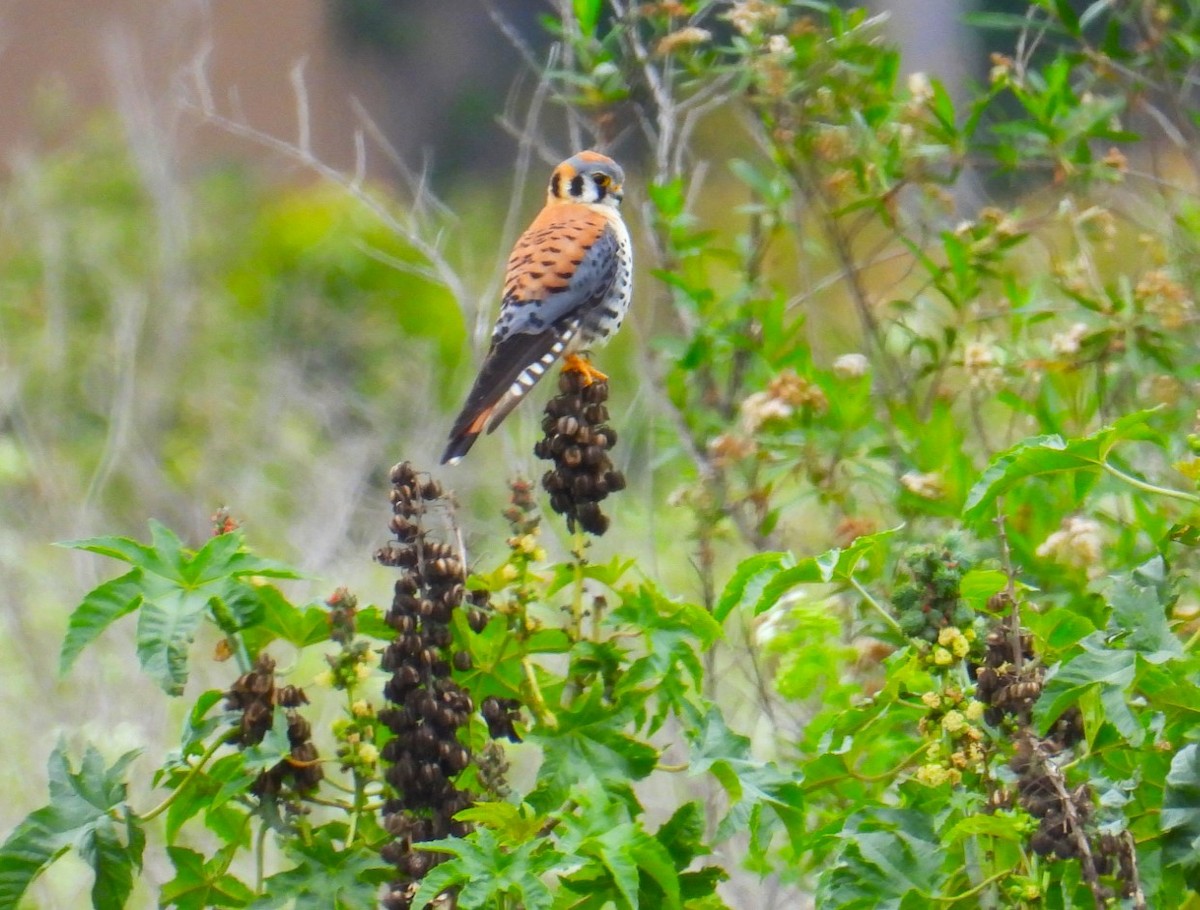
567	289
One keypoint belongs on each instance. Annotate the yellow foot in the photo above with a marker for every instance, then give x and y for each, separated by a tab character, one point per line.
575	363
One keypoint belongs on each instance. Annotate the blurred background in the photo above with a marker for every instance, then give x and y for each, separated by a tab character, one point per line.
194	315
434	77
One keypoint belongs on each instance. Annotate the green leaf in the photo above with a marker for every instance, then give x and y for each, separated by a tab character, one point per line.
275	747
1139	603
513	823
838	565
753	786
682	835
605	573
166	628
587	12
978	585
199	726
122	548
86	812
174	590
885	856
590	742
1004	825
230	776
299	626
1045	455
211	792
199	884
675	636
601	827
1059	629
100	608
1067	15
1181	809
327	877
1109	672
615	849
746	584
630	854
488	874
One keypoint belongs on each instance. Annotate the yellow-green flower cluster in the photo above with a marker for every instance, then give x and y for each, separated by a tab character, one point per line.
955	736
355	737
349	666
528	545
953	644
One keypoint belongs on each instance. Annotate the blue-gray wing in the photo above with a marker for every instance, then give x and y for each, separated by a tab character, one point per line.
560	269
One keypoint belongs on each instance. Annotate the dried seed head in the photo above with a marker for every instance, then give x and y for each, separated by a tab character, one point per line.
424	750
577	439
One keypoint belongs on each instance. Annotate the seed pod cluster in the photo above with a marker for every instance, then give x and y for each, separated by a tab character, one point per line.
930	601
1010	692
521	511
577	439
1007	691
343	606
1063	817
256	696
1038	795
427	707
1009	684
492	767
501	715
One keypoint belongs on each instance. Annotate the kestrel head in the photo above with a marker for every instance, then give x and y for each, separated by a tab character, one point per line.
587	177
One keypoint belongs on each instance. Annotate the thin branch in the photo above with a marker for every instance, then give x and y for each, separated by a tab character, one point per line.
1134	878
1074	824
566	15
1010	590
408	228
192	771
655	81
417	184
303	119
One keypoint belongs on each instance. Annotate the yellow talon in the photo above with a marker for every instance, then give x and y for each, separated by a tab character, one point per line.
575	363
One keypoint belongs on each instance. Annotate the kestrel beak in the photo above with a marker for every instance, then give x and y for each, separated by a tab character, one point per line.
617	192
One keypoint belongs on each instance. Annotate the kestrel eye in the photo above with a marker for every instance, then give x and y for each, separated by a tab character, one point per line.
603	180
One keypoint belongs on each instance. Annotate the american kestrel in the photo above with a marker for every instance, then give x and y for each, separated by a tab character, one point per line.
567	289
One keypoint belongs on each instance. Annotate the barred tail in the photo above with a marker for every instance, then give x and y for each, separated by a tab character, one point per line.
511	369
463	437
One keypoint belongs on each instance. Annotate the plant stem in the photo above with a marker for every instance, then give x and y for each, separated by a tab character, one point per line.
877	606
537	701
580	544
1147	487
1191	642
238	645
953	898
192	772
1010	588
260	858
360	797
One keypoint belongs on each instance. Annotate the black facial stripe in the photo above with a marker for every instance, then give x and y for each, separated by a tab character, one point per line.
577	185
601	189
555	184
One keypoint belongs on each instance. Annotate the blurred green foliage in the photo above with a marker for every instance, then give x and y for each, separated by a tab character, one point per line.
150	349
